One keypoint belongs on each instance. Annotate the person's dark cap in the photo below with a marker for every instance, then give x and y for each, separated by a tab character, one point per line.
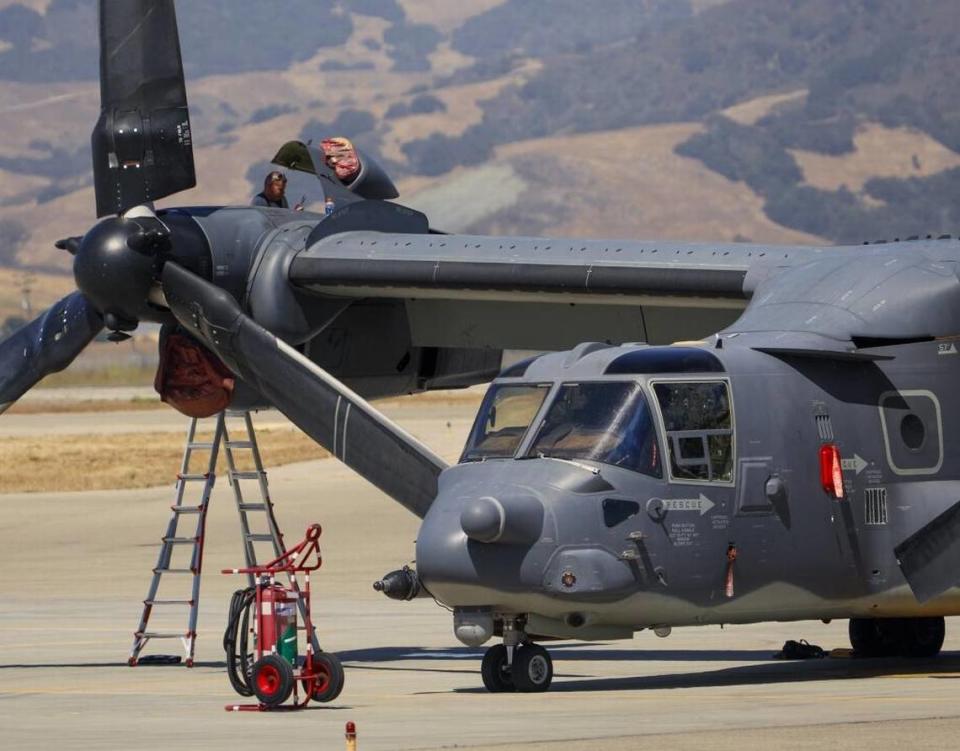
274	176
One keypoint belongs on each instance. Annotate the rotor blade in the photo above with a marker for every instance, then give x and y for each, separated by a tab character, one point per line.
45	345
142	147
320	405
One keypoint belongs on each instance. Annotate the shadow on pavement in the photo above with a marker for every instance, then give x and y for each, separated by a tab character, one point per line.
779	671
561	652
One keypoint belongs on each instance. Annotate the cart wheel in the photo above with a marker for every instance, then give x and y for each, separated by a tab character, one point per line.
272	680
327	683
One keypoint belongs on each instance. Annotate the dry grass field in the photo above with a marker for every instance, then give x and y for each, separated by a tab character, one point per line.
880	152
444	14
144	459
45	289
752	110
124	460
630	183
42	407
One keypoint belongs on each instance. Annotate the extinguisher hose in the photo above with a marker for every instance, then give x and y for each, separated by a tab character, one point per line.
235	637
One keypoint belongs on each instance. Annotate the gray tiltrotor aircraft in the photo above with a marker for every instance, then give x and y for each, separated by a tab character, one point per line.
802	463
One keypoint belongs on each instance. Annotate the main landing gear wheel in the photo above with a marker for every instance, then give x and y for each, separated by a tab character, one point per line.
328	683
888	637
495	670
272	679
922	637
871	637
532	669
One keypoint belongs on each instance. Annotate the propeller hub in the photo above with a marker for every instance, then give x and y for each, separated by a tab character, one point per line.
116	264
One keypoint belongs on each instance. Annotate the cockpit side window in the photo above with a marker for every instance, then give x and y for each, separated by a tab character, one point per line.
604	421
699	427
502	420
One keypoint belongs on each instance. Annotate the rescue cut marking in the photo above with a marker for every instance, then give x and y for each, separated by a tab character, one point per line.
701	504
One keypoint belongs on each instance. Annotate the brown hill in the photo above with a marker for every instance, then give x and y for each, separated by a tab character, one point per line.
623	182
626	183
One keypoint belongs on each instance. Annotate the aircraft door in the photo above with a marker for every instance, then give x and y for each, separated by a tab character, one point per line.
696	514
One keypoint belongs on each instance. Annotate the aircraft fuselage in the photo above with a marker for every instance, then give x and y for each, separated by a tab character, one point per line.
727	519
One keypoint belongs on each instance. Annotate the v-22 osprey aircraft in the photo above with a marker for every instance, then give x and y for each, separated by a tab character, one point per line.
796	459
765	474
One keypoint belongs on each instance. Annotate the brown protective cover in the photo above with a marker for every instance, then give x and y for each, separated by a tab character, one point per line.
341	157
190	378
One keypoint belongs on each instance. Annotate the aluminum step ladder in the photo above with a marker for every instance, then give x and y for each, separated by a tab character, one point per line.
250	492
251	495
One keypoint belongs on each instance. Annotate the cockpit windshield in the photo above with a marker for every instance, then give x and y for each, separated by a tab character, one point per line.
607	422
504	417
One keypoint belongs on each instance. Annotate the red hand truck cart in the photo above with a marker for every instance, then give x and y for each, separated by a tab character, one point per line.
274	670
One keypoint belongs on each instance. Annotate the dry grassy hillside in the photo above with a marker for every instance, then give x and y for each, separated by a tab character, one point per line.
445	14
630	183
880	152
626	183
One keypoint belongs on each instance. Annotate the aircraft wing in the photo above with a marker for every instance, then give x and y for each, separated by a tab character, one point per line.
542	293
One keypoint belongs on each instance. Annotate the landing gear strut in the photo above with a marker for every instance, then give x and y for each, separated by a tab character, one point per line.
516	665
889	637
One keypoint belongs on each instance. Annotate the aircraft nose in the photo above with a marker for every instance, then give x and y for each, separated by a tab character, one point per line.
514	519
473	544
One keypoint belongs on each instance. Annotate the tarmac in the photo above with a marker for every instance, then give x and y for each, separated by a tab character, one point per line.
75	567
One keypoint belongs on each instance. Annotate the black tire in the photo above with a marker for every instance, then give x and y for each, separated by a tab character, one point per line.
329	683
272	679
496	673
874	637
922	637
532	669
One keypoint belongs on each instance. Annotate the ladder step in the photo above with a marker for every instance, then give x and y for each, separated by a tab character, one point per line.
200	445
259	538
237	475
239	444
179	540
160	635
173	571
168	602
187	509
252	506
192	477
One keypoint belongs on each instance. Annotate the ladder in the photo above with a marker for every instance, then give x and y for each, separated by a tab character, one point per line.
251	495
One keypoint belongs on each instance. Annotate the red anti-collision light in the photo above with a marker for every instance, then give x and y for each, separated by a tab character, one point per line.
831	473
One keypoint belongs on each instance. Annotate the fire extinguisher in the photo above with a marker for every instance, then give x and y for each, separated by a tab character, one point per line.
278	622
275	626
